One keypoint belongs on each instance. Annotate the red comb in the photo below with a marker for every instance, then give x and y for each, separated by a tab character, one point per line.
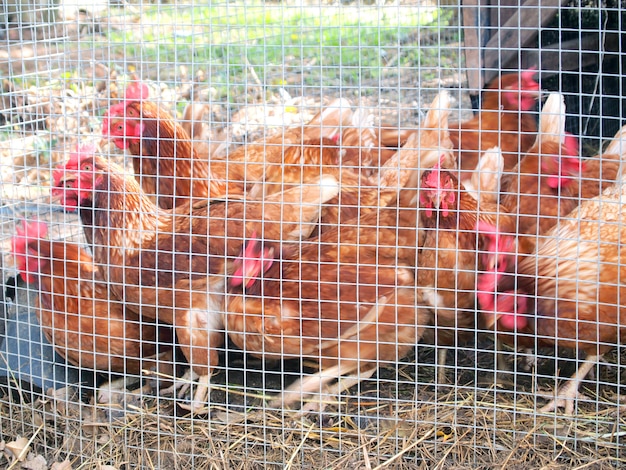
570	142
113	111
82	151
33	229
431	179
559	168
252	262
73	163
527	81
57	175
137	91
251	249
27	232
495	237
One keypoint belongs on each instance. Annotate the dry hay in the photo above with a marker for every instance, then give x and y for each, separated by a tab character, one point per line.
402	426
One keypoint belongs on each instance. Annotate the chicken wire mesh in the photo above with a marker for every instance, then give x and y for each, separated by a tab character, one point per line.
233	75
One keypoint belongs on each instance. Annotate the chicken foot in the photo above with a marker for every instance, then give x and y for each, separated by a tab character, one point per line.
110	391
182	384
566	395
334	391
153	364
200	397
320	381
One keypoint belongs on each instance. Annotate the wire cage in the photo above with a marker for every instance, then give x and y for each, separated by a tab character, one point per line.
253	234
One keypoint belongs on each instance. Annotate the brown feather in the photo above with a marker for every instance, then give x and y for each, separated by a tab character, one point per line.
448	263
82	321
575	277
170	265
166	164
496	124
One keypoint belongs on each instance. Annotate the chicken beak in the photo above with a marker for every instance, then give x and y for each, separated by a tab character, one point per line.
58	191
56	198
438	198
66	179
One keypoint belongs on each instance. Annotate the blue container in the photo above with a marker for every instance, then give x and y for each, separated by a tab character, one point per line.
28	361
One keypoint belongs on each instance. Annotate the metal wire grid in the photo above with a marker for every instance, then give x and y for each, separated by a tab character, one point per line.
261	75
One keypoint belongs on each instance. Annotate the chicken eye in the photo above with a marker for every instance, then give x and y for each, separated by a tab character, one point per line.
120	127
87	167
131	113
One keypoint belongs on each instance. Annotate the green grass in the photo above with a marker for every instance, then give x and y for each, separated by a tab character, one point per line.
320	46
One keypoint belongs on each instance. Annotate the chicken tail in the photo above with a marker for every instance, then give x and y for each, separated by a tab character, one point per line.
552	121
307	201
484	183
430	145
330	121
192	121
359	142
617	146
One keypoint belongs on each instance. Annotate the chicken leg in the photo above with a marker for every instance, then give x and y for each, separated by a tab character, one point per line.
442	355
566	395
318	381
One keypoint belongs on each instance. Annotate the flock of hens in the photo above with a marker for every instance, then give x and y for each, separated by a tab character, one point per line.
334	242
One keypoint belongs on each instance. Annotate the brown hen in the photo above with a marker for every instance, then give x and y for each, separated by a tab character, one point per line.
76	312
170	265
171	170
504	120
568	293
448	260
345	300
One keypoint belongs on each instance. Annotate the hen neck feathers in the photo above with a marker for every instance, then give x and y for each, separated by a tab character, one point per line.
119	203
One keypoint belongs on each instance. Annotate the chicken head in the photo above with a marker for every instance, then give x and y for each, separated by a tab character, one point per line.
253	261
27	233
519	91
563	164
73	182
437	191
121	125
507	309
